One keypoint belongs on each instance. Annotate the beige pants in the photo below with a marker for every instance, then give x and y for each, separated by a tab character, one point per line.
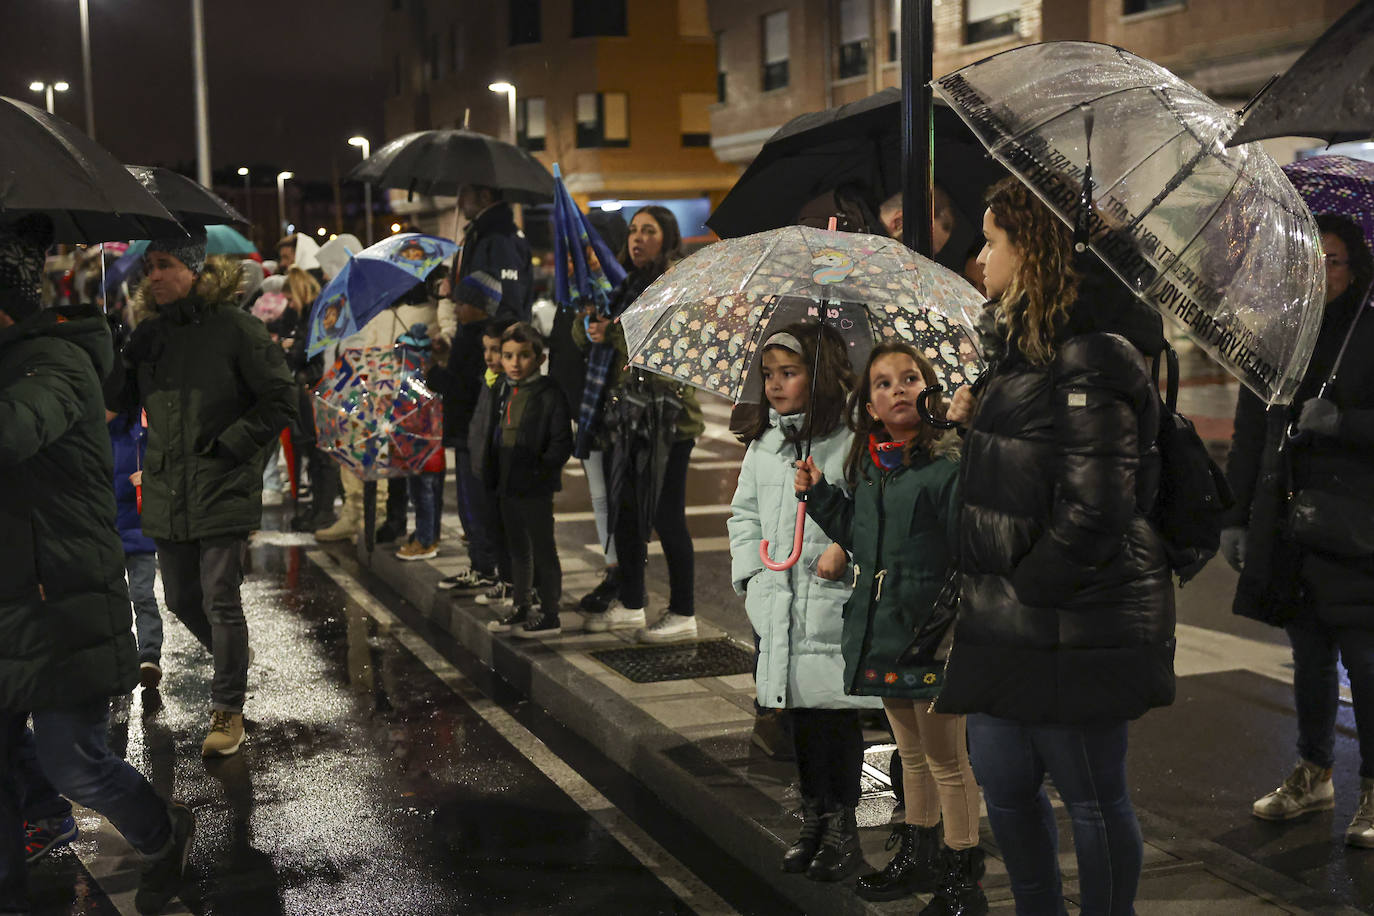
936	776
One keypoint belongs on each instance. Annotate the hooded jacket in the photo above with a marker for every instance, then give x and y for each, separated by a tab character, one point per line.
493	244
521	438
65	623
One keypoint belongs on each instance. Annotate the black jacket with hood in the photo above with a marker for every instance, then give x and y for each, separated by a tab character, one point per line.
493	244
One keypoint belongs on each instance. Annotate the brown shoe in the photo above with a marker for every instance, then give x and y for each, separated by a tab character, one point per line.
226	734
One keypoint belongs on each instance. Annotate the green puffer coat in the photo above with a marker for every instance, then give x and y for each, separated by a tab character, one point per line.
898	527
65	624
217	392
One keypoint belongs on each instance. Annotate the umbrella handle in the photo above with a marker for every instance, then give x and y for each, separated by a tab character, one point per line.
923	408
792	559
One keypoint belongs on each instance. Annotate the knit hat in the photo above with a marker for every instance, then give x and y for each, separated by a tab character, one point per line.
189	251
23	249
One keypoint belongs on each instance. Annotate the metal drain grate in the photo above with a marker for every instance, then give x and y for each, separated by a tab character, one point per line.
677	662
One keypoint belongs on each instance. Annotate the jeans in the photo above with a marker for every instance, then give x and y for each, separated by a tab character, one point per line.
66	753
483	542
830	753
533	552
142	570
427	496
1088	766
1316	686
670	521
201	580
594	468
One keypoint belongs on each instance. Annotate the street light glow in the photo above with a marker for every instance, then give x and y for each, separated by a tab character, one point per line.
37	86
357	141
321	232
282	176
502	86
61	85
395	227
243	171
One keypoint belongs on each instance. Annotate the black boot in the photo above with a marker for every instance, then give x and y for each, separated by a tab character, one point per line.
799	856
959	893
324	479
914	869
598	599
839	853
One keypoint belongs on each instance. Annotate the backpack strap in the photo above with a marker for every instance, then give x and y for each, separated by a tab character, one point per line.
1171	379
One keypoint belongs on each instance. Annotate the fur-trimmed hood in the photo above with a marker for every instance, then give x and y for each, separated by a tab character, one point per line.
217	285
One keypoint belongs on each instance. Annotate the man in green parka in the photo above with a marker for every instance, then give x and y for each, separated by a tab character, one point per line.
218	394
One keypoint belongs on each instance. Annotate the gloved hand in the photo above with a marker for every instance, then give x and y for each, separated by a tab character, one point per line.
1233	547
1320	416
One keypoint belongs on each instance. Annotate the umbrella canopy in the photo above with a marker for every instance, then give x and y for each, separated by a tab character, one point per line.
585	271
1216	239
703	321
190	202
442	161
1328	93
1339	185
373	279
48	166
218	240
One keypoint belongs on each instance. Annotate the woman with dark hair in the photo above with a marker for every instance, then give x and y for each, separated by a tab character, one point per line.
1333	592
1066	614
654	242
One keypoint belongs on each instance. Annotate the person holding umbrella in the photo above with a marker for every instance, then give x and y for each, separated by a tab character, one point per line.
494	245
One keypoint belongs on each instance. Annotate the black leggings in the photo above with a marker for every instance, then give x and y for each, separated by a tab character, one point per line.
830	755
670	522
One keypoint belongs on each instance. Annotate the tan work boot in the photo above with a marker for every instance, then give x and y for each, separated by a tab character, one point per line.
226	734
1361	830
348	525
1307	788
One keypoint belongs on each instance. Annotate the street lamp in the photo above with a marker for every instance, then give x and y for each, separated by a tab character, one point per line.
48	89
247	194
86	68
509	90
281	196
367	187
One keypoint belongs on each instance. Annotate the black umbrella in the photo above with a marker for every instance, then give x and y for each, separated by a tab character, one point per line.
642	421
860	143
190	202
441	161
48	166
1328	93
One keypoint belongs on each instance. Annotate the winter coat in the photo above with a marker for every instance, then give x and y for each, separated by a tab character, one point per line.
1335	590
535	439
898	526
460	382
218	393
1067	610
796	614
494	245
129	440
66	634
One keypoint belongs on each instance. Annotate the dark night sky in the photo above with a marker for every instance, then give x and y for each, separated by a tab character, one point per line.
289	80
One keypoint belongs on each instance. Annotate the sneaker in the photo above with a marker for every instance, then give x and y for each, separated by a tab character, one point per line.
1361	830
539	623
469	580
163	874
616	617
598	599
668	628
226	734
414	550
1307	788
506	622
149	675
499	595
43	836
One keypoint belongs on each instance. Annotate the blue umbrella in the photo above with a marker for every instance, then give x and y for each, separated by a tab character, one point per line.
585	270
373	279
218	240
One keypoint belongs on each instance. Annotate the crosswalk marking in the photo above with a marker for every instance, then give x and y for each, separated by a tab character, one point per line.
714	509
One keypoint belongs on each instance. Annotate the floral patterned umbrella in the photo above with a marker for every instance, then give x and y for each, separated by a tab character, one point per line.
703	321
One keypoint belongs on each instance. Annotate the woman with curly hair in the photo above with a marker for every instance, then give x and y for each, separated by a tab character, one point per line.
1066	623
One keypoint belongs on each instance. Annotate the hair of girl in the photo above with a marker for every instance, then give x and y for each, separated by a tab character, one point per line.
929	439
1037	300
834	380
672	239
302	287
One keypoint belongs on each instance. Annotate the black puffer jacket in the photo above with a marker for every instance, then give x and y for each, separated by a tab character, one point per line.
1067	610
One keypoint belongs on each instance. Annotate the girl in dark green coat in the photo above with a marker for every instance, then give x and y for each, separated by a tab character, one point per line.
898	527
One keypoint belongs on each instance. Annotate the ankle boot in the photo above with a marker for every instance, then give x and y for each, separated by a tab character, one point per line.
839	853
914	869
959	893
799	856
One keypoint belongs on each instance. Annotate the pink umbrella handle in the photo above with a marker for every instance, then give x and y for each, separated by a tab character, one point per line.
796	544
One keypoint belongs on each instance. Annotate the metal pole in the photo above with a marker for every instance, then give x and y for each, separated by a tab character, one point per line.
47	88
367	191
510	99
281	204
86	67
918	177
202	95
248	198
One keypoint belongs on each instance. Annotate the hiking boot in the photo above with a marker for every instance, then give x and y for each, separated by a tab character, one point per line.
839	853
1361	830
149	675
164	872
914	869
346	527
599	599
506	622
669	628
539	623
499	595
1307	788
226	734
959	893
46	834
773	735
616	617
798	857
468	580
414	550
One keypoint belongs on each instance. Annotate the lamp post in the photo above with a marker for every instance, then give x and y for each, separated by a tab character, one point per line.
201	92
86	67
509	90
281	197
247	194
48	89
367	186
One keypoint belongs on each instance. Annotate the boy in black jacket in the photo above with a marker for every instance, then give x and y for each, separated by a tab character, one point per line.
525	443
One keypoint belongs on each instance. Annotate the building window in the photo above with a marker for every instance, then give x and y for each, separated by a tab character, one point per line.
591	18
530	126
855	31
524	22
720	66
1129	7
894	30
603	119
695	110
775	51
989	19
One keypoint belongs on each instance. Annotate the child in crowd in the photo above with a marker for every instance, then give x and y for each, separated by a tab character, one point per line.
129	441
525	439
488	508
899	525
795	612
427	487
